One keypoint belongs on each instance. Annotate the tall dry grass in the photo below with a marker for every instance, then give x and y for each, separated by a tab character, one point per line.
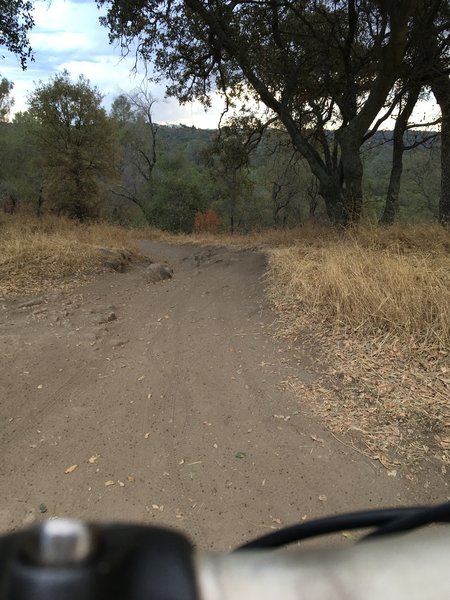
38	254
266	238
376	303
371	281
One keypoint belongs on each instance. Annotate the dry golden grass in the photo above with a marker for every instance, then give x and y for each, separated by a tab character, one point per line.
365	289
268	238
377	303
38	255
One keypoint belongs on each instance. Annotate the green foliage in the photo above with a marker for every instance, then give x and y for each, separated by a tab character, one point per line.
16	21
229	161
419	194
6	101
17	173
178	192
181	182
315	66
75	144
121	110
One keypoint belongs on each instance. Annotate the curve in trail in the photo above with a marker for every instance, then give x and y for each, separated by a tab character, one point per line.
180	408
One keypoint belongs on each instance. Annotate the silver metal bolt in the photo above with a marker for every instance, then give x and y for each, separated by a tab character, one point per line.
62	542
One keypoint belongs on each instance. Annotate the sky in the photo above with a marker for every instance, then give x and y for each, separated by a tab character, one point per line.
68	35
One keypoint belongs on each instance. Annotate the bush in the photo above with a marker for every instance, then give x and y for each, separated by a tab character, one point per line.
206	222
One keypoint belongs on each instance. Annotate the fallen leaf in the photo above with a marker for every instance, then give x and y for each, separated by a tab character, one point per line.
71	469
93	459
109	482
147	435
130	478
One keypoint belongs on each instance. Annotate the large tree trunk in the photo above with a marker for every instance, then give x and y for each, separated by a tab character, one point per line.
331	193
441	90
391	207
351	173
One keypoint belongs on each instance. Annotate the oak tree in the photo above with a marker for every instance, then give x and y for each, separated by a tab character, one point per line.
75	143
324	69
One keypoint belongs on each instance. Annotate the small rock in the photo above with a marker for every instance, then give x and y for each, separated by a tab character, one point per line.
158	272
108	318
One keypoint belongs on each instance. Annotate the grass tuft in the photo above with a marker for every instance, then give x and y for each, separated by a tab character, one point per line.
38	255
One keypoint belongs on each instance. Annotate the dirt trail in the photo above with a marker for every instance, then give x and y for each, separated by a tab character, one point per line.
173	390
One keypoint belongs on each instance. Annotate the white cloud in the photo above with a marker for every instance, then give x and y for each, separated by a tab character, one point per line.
67	35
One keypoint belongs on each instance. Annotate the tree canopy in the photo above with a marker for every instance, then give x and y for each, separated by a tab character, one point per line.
324	69
75	141
16	21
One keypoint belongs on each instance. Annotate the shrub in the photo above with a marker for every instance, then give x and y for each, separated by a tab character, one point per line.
206	222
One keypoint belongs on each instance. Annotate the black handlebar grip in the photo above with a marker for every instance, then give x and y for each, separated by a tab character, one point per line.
129	562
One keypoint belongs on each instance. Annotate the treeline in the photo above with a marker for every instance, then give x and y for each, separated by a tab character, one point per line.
325	77
67	155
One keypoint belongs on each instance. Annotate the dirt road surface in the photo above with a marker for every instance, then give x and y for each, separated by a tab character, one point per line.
165	403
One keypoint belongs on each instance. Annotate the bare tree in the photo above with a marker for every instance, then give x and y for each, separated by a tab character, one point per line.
139	133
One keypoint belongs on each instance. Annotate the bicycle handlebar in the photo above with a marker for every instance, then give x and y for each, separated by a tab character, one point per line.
409	567
65	560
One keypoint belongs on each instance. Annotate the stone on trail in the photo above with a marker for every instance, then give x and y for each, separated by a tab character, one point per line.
158	272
